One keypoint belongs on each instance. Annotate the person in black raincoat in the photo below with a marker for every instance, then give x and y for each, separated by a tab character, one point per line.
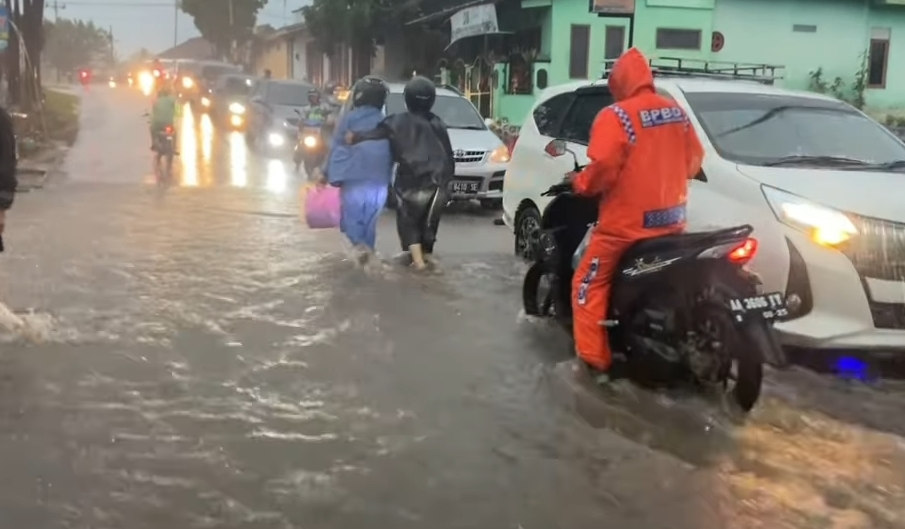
420	145
8	162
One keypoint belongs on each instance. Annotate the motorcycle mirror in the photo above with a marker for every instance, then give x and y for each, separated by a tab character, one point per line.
700	176
556	148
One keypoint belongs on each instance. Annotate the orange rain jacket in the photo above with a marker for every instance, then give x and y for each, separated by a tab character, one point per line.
643	150
640	159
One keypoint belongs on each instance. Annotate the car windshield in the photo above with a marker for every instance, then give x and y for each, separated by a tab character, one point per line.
288	94
236	86
456	112
214	71
761	129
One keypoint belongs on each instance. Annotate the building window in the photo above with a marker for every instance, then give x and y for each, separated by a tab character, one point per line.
614	42
578	52
678	39
877	58
804	28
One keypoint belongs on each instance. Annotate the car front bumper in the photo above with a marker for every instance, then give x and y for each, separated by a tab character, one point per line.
850	310
478	181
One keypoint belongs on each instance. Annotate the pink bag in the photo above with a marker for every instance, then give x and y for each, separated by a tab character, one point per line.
322	207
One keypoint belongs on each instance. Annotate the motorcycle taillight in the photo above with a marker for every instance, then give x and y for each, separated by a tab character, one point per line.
744	252
168	130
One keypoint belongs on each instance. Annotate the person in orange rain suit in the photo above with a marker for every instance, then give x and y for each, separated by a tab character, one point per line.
643	150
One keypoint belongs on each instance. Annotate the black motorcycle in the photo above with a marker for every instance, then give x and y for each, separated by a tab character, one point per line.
682	307
165	150
311	148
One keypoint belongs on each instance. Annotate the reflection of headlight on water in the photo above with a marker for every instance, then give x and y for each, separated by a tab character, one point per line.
112	84
237	108
275	139
310	141
277	176
205	102
237	160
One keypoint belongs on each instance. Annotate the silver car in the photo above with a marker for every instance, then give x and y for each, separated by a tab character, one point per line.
481	157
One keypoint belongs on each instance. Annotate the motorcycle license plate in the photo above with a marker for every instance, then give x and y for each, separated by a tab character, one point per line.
463	186
766	306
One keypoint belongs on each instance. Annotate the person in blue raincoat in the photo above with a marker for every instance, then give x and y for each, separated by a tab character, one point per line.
362	171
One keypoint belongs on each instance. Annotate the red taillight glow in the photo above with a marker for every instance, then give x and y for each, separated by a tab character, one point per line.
83	73
744	252
168	130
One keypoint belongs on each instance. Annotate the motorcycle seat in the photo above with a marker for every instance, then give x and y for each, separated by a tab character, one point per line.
687	241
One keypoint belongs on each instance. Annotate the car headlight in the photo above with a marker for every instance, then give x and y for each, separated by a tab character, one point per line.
237	108
205	102
826	226
500	154
275	139
188	82
310	141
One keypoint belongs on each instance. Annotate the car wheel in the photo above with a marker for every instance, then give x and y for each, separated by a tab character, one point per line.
527	232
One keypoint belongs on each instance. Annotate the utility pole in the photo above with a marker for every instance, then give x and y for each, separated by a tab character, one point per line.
232	33
176	23
56	6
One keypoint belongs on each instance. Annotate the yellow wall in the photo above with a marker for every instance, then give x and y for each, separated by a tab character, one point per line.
274	56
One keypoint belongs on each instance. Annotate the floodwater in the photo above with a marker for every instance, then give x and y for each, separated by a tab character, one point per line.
208	361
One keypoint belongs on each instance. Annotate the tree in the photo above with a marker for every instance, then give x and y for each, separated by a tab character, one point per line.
74	43
358	23
28	18
222	22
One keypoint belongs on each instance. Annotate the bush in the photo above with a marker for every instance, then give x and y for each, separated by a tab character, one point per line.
61	111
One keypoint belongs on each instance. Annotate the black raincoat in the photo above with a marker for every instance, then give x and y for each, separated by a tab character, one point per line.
8	162
420	145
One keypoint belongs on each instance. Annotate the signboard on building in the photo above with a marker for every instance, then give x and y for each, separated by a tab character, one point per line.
4	28
613	7
474	21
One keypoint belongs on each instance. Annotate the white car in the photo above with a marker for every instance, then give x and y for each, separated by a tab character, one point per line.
822	184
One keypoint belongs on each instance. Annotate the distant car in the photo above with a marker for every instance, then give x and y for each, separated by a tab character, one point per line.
272	118
229	99
481	157
820	182
199	79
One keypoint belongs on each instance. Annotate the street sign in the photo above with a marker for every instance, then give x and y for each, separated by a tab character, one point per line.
4	28
613	7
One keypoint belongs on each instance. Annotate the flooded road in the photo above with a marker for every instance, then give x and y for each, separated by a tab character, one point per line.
210	362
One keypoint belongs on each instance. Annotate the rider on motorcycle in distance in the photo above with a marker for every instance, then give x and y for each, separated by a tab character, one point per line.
163	113
643	151
317	110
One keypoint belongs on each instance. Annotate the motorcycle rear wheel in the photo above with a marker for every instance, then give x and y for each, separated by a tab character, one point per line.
732	344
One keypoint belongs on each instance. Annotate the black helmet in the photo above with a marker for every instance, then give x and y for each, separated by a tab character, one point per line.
420	94
313	92
369	91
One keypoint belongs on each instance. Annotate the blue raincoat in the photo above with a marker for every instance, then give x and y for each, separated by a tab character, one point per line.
362	172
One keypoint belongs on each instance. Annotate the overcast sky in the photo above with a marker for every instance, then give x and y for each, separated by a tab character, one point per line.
149	23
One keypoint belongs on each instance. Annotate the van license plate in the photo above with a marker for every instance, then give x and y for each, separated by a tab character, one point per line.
463	186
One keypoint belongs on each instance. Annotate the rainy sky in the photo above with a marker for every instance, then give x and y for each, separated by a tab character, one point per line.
150	23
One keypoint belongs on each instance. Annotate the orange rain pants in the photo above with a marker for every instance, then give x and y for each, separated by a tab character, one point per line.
643	151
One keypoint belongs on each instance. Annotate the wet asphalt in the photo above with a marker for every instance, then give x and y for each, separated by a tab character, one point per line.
208	361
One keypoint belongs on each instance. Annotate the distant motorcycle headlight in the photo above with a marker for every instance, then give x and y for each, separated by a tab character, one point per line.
235	120
310	141
276	139
825	226
205	102
237	108
188	82
500	154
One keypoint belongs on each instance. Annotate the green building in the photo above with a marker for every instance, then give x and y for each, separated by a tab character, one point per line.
574	38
